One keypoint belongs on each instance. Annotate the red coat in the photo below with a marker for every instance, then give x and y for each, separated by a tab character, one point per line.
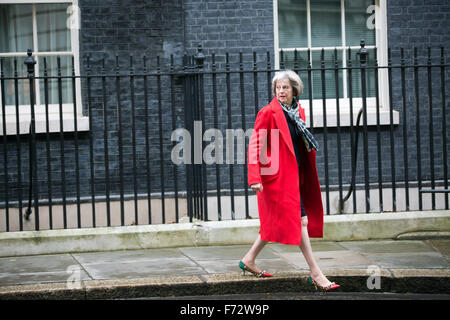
279	202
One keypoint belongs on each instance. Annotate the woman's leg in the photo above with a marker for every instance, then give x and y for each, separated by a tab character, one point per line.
250	257
305	246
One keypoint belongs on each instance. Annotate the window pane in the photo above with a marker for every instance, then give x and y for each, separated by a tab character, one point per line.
23	85
292	24
288	62
329	79
356	75
358	23
16	28
52	70
52	31
326	23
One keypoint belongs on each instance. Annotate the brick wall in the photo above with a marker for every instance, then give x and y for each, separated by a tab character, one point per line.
229	25
422	25
174	27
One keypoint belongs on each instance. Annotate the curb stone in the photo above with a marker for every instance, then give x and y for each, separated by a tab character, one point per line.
353	280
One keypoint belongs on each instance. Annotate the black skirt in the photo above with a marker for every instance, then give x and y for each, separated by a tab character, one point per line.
301	206
297	144
303	214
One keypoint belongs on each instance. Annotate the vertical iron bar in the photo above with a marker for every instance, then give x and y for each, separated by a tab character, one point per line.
430	126
241	82
310	93
363	60
120	134
256	91
91	140
227	66
133	140
106	146
295	61
338	129
61	144
269	76
444	127
405	133
216	125
197	165
75	125
418	135
188	125
47	143
5	145
203	119
161	156
196	173
173	109
325	129
35	184
19	147
352	131
391	132
255	83
120	142
147	143
380	172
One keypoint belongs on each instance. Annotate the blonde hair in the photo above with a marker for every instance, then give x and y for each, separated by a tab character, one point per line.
292	77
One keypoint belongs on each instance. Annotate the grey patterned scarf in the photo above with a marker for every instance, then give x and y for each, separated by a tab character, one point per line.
306	135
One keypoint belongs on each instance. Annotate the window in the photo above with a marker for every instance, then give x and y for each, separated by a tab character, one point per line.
50	31
302	25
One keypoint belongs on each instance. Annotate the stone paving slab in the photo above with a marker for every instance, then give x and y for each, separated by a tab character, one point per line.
230	266
387	246
41	277
330	259
414	260
403	265
316	246
126	255
442	246
224	253
39	269
141	269
44	263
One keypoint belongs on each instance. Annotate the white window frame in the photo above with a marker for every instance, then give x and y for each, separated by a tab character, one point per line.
40	116
344	102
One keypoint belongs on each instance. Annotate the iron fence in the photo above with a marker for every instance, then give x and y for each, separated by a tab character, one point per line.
120	167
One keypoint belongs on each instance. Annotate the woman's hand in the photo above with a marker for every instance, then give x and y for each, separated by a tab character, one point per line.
257	187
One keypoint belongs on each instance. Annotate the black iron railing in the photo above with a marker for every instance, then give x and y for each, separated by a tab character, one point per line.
121	169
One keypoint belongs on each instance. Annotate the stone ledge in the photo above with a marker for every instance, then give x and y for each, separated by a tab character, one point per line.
230	232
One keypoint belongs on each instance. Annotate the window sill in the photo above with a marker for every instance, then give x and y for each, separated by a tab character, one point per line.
344	113
40	122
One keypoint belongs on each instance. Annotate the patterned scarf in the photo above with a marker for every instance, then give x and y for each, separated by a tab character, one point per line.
306	135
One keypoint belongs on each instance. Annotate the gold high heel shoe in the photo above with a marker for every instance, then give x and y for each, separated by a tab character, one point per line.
262	274
331	286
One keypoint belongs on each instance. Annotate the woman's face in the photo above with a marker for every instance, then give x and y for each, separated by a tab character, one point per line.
284	91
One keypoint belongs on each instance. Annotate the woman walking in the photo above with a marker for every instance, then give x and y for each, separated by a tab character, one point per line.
282	170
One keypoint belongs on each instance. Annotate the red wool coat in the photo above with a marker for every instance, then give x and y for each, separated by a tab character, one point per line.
279	202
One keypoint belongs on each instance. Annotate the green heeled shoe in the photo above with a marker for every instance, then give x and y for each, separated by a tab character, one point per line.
262	274
331	286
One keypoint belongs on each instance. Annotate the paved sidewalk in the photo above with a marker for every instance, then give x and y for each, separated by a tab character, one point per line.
421	266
